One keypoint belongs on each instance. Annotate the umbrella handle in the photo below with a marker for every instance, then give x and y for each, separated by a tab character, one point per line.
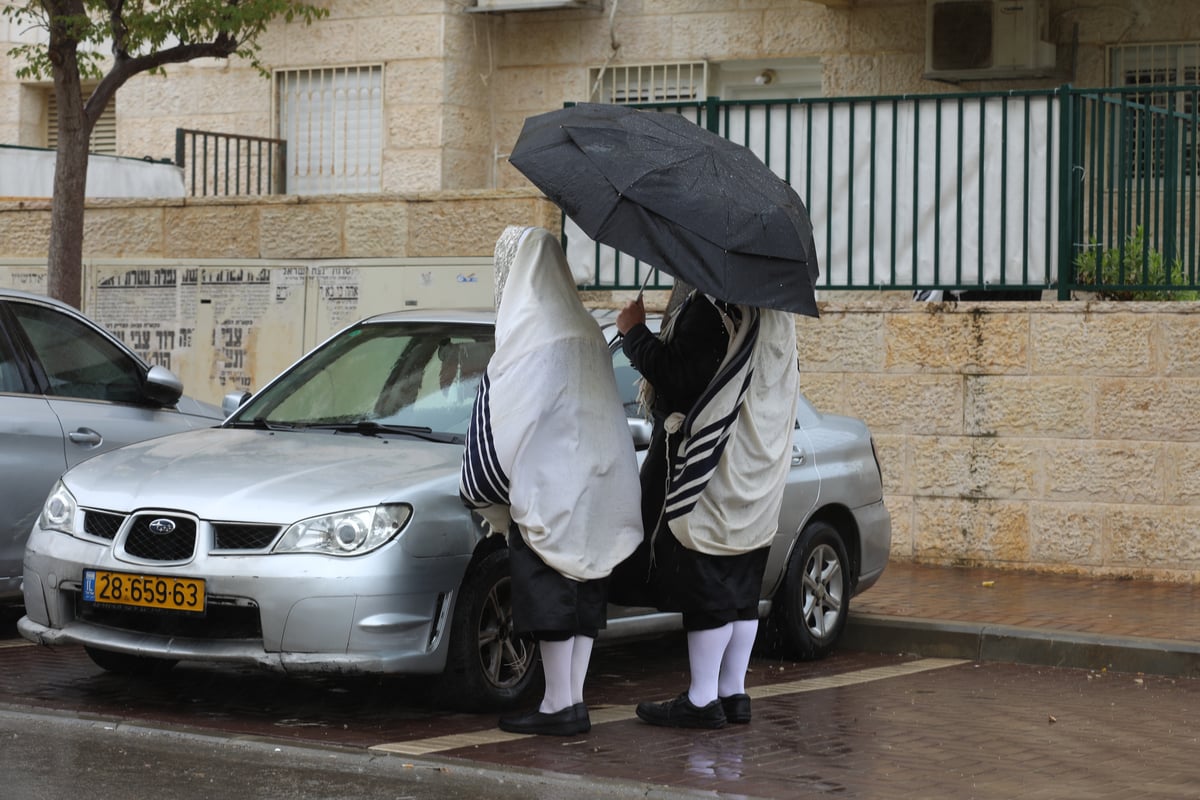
641	290
645	280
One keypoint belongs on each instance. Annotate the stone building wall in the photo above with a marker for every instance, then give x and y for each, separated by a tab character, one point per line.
418	225
458	85
1053	436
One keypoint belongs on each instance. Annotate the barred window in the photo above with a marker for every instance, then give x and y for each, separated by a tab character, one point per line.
649	83
1159	123
332	121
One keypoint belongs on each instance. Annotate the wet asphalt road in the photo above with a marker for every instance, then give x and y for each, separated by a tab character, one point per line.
857	725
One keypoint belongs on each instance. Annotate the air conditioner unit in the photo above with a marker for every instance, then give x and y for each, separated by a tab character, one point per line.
531	5
987	40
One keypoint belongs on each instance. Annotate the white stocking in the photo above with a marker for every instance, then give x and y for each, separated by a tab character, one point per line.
556	662
706	651
737	658
581	654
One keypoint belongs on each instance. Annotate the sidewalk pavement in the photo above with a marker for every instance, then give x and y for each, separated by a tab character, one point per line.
1030	618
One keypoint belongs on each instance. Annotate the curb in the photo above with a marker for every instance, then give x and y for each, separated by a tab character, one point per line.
1017	645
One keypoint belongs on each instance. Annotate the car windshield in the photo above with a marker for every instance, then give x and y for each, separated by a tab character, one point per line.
380	377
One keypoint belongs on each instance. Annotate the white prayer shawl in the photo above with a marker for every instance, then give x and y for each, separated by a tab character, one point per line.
548	446
726	492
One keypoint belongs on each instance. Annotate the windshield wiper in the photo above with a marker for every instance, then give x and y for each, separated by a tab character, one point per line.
261	424
368	427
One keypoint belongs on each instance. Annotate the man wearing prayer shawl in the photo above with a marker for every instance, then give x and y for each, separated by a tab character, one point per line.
550	462
721	382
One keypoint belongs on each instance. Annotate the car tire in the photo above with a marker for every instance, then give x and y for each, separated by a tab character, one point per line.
489	667
126	664
811	606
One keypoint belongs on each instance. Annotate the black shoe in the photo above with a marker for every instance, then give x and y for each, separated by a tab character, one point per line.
737	708
681	713
570	721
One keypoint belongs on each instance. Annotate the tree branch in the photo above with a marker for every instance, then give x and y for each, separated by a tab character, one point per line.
120	31
223	46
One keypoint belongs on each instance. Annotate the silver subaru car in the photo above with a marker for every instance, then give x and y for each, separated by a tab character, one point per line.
319	529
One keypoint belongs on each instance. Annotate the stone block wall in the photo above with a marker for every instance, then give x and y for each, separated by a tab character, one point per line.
430	225
1053	436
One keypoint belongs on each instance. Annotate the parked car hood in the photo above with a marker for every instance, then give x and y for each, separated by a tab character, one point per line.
264	476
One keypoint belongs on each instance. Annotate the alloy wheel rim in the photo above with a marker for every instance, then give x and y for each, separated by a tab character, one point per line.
506	657
823	587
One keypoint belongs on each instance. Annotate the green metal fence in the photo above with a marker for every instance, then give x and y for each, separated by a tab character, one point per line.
1132	194
970	191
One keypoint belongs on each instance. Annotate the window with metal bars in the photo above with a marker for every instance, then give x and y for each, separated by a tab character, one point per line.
1159	125
649	83
332	121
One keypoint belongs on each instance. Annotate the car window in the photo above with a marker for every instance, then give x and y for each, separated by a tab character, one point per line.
424	376
10	376
77	359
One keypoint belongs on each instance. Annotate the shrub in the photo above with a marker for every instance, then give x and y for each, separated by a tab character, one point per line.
1116	270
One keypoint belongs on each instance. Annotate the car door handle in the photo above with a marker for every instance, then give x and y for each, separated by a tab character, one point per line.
797	457
85	436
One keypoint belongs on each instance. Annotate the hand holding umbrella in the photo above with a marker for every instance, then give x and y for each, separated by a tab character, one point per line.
633	313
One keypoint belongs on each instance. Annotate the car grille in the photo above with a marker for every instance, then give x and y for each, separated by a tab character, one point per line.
102	523
176	545
179	544
241	536
217	622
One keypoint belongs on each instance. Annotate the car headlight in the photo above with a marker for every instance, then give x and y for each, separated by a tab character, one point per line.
347	533
58	512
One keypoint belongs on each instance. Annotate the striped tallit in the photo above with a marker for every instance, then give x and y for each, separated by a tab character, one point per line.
734	454
705	435
483	481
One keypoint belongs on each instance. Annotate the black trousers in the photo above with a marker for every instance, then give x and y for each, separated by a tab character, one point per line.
548	604
708	590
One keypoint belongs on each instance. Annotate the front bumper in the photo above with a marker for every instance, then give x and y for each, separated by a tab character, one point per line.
385	612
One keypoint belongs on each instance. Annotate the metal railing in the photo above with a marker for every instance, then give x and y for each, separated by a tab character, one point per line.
984	191
1135	156
224	164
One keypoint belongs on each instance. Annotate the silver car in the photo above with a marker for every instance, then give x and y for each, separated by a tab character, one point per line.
69	390
319	529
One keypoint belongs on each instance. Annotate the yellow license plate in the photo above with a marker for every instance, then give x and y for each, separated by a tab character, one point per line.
143	591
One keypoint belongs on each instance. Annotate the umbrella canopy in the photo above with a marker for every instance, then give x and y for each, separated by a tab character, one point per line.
666	191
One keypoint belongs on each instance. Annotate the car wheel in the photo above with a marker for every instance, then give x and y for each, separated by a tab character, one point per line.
489	667
814	600
126	664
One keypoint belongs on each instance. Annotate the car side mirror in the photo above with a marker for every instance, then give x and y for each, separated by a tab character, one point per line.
233	401
162	386
640	430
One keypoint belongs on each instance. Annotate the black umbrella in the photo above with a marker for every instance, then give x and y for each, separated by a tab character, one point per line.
664	190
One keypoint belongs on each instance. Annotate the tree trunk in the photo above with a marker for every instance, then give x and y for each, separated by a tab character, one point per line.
64	265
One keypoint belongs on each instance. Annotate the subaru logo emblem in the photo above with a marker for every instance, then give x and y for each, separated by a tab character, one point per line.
161	526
